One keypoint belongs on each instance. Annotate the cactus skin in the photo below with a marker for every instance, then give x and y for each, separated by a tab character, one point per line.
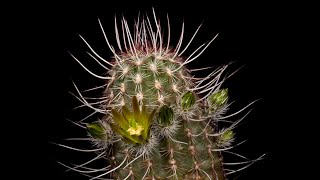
159	122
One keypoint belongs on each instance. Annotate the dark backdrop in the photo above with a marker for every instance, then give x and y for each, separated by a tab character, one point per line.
253	35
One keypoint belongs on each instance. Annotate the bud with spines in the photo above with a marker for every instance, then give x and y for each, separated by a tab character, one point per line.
187	100
97	131
226	138
165	116
218	99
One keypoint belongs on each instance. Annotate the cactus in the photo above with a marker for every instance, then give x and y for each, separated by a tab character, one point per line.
158	121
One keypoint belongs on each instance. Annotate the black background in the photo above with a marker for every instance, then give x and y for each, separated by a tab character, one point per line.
259	36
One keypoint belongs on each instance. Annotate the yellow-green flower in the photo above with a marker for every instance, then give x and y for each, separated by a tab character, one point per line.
134	127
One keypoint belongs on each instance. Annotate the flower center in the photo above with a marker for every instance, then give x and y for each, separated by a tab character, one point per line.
135	130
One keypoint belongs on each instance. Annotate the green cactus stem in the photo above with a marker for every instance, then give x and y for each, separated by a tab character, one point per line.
157	120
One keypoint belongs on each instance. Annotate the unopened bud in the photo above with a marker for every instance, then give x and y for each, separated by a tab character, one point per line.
96	130
165	116
218	99
227	136
187	100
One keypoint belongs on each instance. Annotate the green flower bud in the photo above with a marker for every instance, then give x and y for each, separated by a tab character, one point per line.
165	116
218	99
96	130
227	136
187	100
